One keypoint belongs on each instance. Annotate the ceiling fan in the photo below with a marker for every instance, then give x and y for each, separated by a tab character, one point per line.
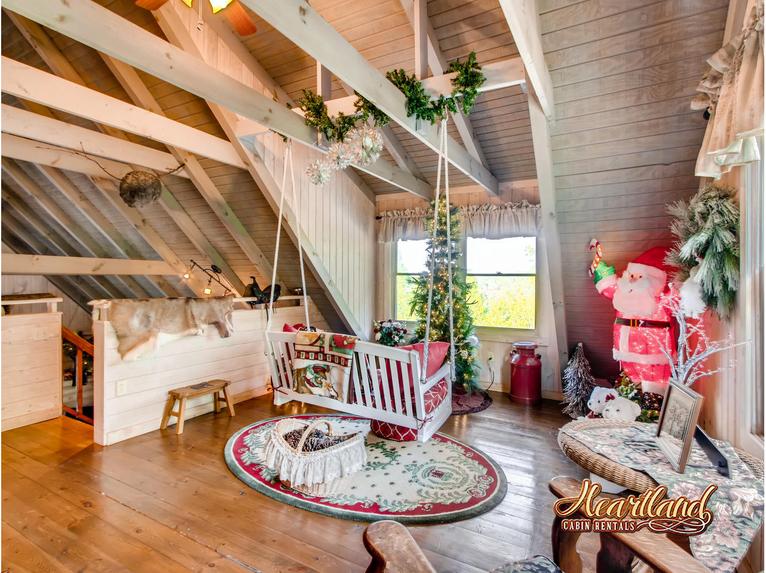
234	12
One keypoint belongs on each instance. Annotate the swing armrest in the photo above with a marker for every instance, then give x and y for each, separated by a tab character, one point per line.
442	372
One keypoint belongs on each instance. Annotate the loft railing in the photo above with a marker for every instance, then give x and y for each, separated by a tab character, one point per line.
83	353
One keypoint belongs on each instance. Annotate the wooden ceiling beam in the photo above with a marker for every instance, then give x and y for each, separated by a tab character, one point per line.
44	237
71	85
107	32
28	150
75	234
140	94
299	22
15	264
180	36
73	287
30	83
24	123
156	286
499	74
523	22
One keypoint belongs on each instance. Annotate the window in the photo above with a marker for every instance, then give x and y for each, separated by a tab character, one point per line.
502	270
411	260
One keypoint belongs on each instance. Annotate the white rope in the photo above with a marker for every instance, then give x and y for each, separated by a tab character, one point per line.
442	161
297	209
287	159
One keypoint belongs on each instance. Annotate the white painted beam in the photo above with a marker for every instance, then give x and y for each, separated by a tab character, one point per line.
420	26
438	64
29	83
541	142
107	32
523	21
501	74
299	22
58	133
140	94
15	264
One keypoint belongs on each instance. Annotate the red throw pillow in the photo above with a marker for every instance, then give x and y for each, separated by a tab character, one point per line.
437	352
293	328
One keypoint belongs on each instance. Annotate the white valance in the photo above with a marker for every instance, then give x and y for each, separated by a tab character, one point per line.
487	221
732	92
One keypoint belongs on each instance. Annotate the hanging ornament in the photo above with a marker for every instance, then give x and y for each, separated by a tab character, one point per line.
367	144
340	155
319	172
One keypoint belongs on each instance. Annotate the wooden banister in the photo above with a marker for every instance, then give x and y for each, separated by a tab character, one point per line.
81	346
78	341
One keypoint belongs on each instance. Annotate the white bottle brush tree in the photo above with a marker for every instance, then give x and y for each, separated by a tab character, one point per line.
578	383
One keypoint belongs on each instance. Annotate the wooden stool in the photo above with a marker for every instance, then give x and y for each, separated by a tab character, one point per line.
218	388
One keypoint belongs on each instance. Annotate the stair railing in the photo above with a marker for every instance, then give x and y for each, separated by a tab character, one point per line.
82	346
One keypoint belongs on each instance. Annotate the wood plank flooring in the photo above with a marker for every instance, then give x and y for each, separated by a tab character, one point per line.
162	502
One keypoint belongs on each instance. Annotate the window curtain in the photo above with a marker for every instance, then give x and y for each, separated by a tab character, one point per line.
479	221
732	92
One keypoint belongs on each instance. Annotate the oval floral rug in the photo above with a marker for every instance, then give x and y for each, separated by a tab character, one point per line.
440	481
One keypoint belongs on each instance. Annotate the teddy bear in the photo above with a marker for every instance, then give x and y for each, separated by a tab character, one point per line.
598	400
621	409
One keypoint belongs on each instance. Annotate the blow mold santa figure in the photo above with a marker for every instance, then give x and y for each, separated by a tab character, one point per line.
644	324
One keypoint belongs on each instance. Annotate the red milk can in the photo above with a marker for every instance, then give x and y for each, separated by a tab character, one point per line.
526	379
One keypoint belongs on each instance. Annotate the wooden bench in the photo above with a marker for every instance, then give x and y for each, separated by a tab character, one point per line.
218	388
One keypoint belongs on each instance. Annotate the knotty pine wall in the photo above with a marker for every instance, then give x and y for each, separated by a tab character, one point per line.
624	139
31	368
338	218
130	396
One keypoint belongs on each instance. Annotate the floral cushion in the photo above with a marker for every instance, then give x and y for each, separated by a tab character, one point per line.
536	564
431	400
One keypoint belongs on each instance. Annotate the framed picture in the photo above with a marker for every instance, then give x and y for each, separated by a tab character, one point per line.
678	421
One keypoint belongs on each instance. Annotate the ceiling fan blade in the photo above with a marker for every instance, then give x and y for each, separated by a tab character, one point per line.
239	19
150	4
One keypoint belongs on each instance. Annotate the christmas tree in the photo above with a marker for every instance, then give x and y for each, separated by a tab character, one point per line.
578	383
465	340
707	230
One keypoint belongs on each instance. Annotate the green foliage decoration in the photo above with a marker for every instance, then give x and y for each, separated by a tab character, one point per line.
707	230
466	368
465	89
336	128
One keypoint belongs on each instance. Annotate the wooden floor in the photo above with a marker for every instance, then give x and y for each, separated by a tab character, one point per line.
162	503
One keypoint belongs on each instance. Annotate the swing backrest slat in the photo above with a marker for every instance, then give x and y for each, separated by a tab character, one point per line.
393	368
383	374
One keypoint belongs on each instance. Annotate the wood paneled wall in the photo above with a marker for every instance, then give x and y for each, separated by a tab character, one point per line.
31	372
73	317
624	139
130	396
338	218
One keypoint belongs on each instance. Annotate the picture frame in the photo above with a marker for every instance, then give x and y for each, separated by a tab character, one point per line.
677	424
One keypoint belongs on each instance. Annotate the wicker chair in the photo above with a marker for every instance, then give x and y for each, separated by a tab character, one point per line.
668	554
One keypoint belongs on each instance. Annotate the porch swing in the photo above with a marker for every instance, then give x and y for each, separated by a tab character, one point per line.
405	399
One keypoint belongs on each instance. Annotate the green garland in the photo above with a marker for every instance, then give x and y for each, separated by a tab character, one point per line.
465	89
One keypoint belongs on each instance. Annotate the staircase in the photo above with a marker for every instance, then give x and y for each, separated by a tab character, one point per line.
78	376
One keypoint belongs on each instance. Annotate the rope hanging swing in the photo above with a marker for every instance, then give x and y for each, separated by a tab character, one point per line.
443	162
287	160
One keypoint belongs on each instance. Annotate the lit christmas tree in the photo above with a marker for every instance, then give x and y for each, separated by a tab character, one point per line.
465	339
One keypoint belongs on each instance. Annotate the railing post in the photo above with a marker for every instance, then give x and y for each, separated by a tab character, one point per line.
79	381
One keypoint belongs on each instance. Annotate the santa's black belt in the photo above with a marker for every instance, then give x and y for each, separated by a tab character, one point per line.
635	322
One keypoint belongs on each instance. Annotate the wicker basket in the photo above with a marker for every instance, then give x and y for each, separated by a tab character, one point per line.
618	473
316	472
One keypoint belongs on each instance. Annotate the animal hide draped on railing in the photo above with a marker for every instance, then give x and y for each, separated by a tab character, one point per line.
139	322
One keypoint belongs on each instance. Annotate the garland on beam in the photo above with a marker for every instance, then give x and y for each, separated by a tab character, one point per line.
355	138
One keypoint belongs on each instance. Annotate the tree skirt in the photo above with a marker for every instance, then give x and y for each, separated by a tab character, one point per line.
440	481
463	403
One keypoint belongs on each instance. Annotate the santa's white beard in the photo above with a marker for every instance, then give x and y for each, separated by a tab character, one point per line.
637	299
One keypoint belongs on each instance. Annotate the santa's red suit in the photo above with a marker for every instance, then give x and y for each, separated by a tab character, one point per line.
644	324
